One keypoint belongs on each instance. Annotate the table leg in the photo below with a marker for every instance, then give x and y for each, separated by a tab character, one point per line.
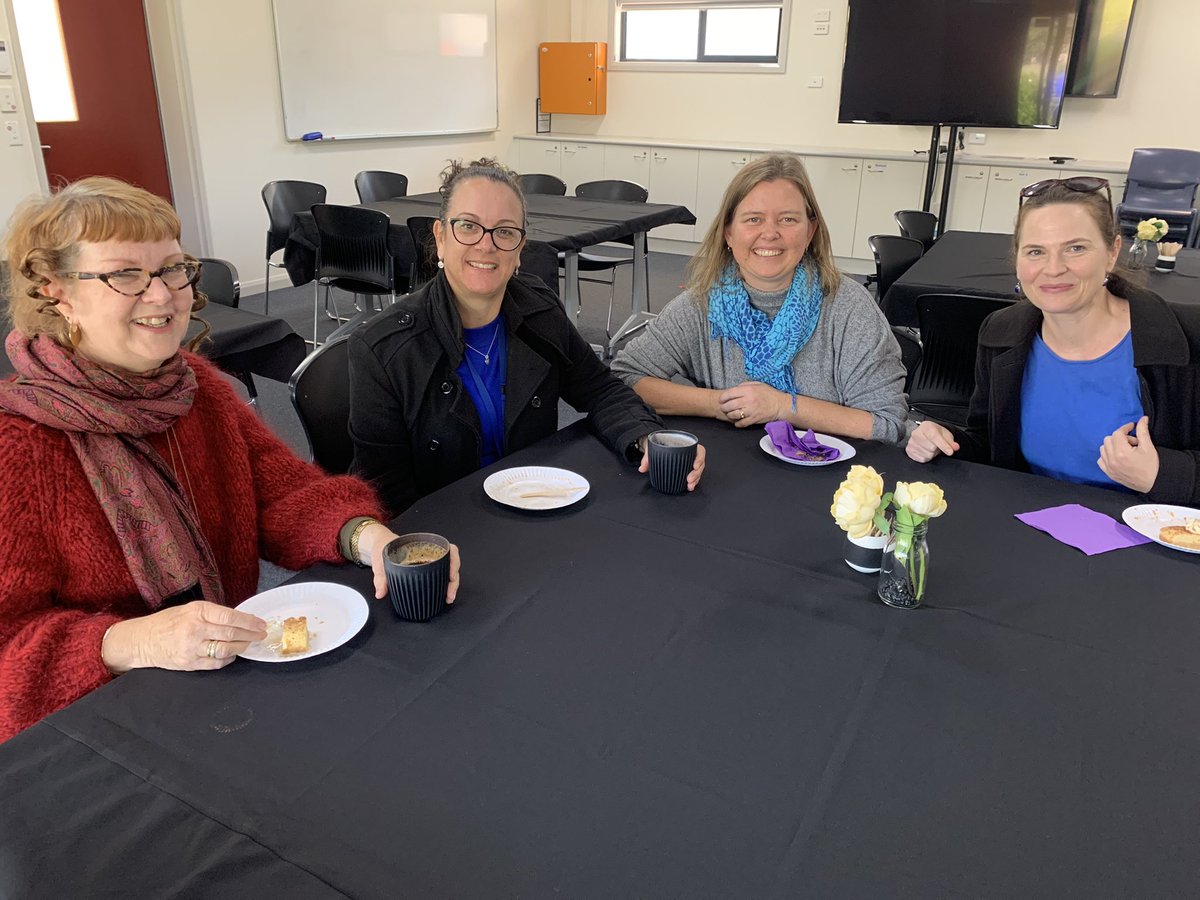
640	315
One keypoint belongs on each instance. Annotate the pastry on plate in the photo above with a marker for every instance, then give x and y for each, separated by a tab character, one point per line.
295	635
1186	535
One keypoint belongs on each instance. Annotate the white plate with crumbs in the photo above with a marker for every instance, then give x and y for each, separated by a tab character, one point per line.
845	451
1149	519
335	614
536	487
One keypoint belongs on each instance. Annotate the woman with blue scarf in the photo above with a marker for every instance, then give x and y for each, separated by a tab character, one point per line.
768	329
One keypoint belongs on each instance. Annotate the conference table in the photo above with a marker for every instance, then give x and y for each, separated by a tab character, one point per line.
241	341
981	264
665	696
565	224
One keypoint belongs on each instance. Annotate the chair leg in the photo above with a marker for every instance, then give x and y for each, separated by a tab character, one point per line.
316	310
337	317
267	290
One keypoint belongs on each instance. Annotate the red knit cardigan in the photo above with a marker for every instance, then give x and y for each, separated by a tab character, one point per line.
63	579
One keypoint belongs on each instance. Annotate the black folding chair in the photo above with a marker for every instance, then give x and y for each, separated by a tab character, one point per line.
352	255
918	225
591	261
543	184
283	200
893	257
374	185
320	389
425	265
219	282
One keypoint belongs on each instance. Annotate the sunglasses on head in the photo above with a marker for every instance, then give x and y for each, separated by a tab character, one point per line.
1083	184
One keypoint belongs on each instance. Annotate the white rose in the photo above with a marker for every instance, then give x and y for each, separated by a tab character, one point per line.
921	498
854	508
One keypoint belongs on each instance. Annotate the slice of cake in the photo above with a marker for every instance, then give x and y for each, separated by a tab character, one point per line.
295	635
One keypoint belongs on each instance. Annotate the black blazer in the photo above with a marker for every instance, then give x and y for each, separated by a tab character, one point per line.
1166	354
414	426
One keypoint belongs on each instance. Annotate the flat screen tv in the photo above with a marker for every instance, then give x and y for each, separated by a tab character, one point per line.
1100	43
994	63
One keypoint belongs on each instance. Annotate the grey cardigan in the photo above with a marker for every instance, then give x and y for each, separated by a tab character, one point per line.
852	359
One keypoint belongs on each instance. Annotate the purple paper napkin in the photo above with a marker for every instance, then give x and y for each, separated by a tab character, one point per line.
1083	528
807	447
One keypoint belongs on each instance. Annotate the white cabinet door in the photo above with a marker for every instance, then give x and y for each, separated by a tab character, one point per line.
1116	182
714	170
1004	196
837	181
539	158
673	173
628	164
581	162
968	195
887	186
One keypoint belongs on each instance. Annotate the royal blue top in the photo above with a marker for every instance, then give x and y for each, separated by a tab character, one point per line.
1068	408
484	381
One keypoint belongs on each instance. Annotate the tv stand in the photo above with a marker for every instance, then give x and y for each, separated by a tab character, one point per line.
953	141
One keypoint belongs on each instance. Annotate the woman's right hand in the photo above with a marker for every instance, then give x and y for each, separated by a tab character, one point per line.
928	440
180	638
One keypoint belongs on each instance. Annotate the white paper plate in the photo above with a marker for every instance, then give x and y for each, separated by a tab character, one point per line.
1148	518
848	452
335	614
513	487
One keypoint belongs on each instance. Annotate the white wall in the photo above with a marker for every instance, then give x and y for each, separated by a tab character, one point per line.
21	169
229	66
1156	106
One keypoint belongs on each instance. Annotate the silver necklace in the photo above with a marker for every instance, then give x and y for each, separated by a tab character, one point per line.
487	357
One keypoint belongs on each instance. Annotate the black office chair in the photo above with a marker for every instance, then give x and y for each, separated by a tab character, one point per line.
918	225
320	389
893	257
373	186
591	261
425	266
945	377
219	282
543	184
352	255
283	200
1162	184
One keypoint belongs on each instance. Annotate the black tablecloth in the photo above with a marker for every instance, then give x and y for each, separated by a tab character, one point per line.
564	223
660	696
981	264
240	341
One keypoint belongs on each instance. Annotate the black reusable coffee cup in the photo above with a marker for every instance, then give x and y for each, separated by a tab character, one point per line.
672	454
416	581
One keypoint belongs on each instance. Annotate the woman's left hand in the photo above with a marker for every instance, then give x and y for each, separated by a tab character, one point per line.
754	403
693	478
1130	459
371	543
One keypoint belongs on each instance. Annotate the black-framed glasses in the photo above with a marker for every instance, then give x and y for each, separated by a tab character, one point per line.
1083	184
135	282
505	237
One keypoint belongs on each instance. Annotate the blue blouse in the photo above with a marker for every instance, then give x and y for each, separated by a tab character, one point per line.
1068	408
482	370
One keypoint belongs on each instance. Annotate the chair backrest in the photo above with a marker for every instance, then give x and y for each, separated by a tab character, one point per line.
1162	178
543	184
421	229
945	377
612	189
283	200
373	186
918	225
219	281
320	389
893	256
353	248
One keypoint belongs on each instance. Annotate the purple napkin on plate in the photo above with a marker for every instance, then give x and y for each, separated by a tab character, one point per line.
1083	528
807	447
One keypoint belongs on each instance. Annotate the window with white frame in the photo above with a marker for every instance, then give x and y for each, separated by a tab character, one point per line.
707	35
45	56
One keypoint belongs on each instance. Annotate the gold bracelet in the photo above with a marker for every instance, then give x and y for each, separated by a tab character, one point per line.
355	557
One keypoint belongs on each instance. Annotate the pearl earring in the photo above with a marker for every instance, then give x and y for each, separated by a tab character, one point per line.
441	265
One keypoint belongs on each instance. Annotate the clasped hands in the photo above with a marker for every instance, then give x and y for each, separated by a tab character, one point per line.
1127	456
753	403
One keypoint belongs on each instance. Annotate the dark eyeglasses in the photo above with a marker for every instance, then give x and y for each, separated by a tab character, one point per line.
1083	184
505	237
135	282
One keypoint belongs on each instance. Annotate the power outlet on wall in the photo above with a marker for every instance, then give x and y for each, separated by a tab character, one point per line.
12	128
8	100
977	137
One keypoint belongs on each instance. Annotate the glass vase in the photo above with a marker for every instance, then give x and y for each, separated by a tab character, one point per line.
1139	250
903	577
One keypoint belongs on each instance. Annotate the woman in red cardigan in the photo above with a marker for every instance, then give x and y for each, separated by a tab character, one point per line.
141	491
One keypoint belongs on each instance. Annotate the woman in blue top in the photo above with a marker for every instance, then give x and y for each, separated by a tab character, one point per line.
1087	378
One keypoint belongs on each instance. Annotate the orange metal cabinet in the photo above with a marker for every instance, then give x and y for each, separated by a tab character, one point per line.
573	77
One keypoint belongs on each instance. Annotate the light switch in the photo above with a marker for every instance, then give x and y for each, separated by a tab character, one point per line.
816	81
820	28
821	15
8	100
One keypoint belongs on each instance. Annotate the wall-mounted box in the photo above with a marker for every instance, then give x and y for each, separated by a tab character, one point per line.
572	77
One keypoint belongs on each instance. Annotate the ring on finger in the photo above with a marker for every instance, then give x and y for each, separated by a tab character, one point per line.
211	653
741	413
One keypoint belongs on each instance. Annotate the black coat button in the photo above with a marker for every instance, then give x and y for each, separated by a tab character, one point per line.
433	445
447	387
536	402
406	320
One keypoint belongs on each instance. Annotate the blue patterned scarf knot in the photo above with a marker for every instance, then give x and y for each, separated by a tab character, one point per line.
768	345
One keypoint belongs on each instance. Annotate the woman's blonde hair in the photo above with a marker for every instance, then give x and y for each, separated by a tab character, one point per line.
714	255
44	235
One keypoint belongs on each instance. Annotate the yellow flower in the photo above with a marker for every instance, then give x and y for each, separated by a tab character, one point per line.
1151	229
857	500
920	498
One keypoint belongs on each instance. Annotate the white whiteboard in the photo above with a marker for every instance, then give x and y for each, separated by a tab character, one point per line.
386	68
